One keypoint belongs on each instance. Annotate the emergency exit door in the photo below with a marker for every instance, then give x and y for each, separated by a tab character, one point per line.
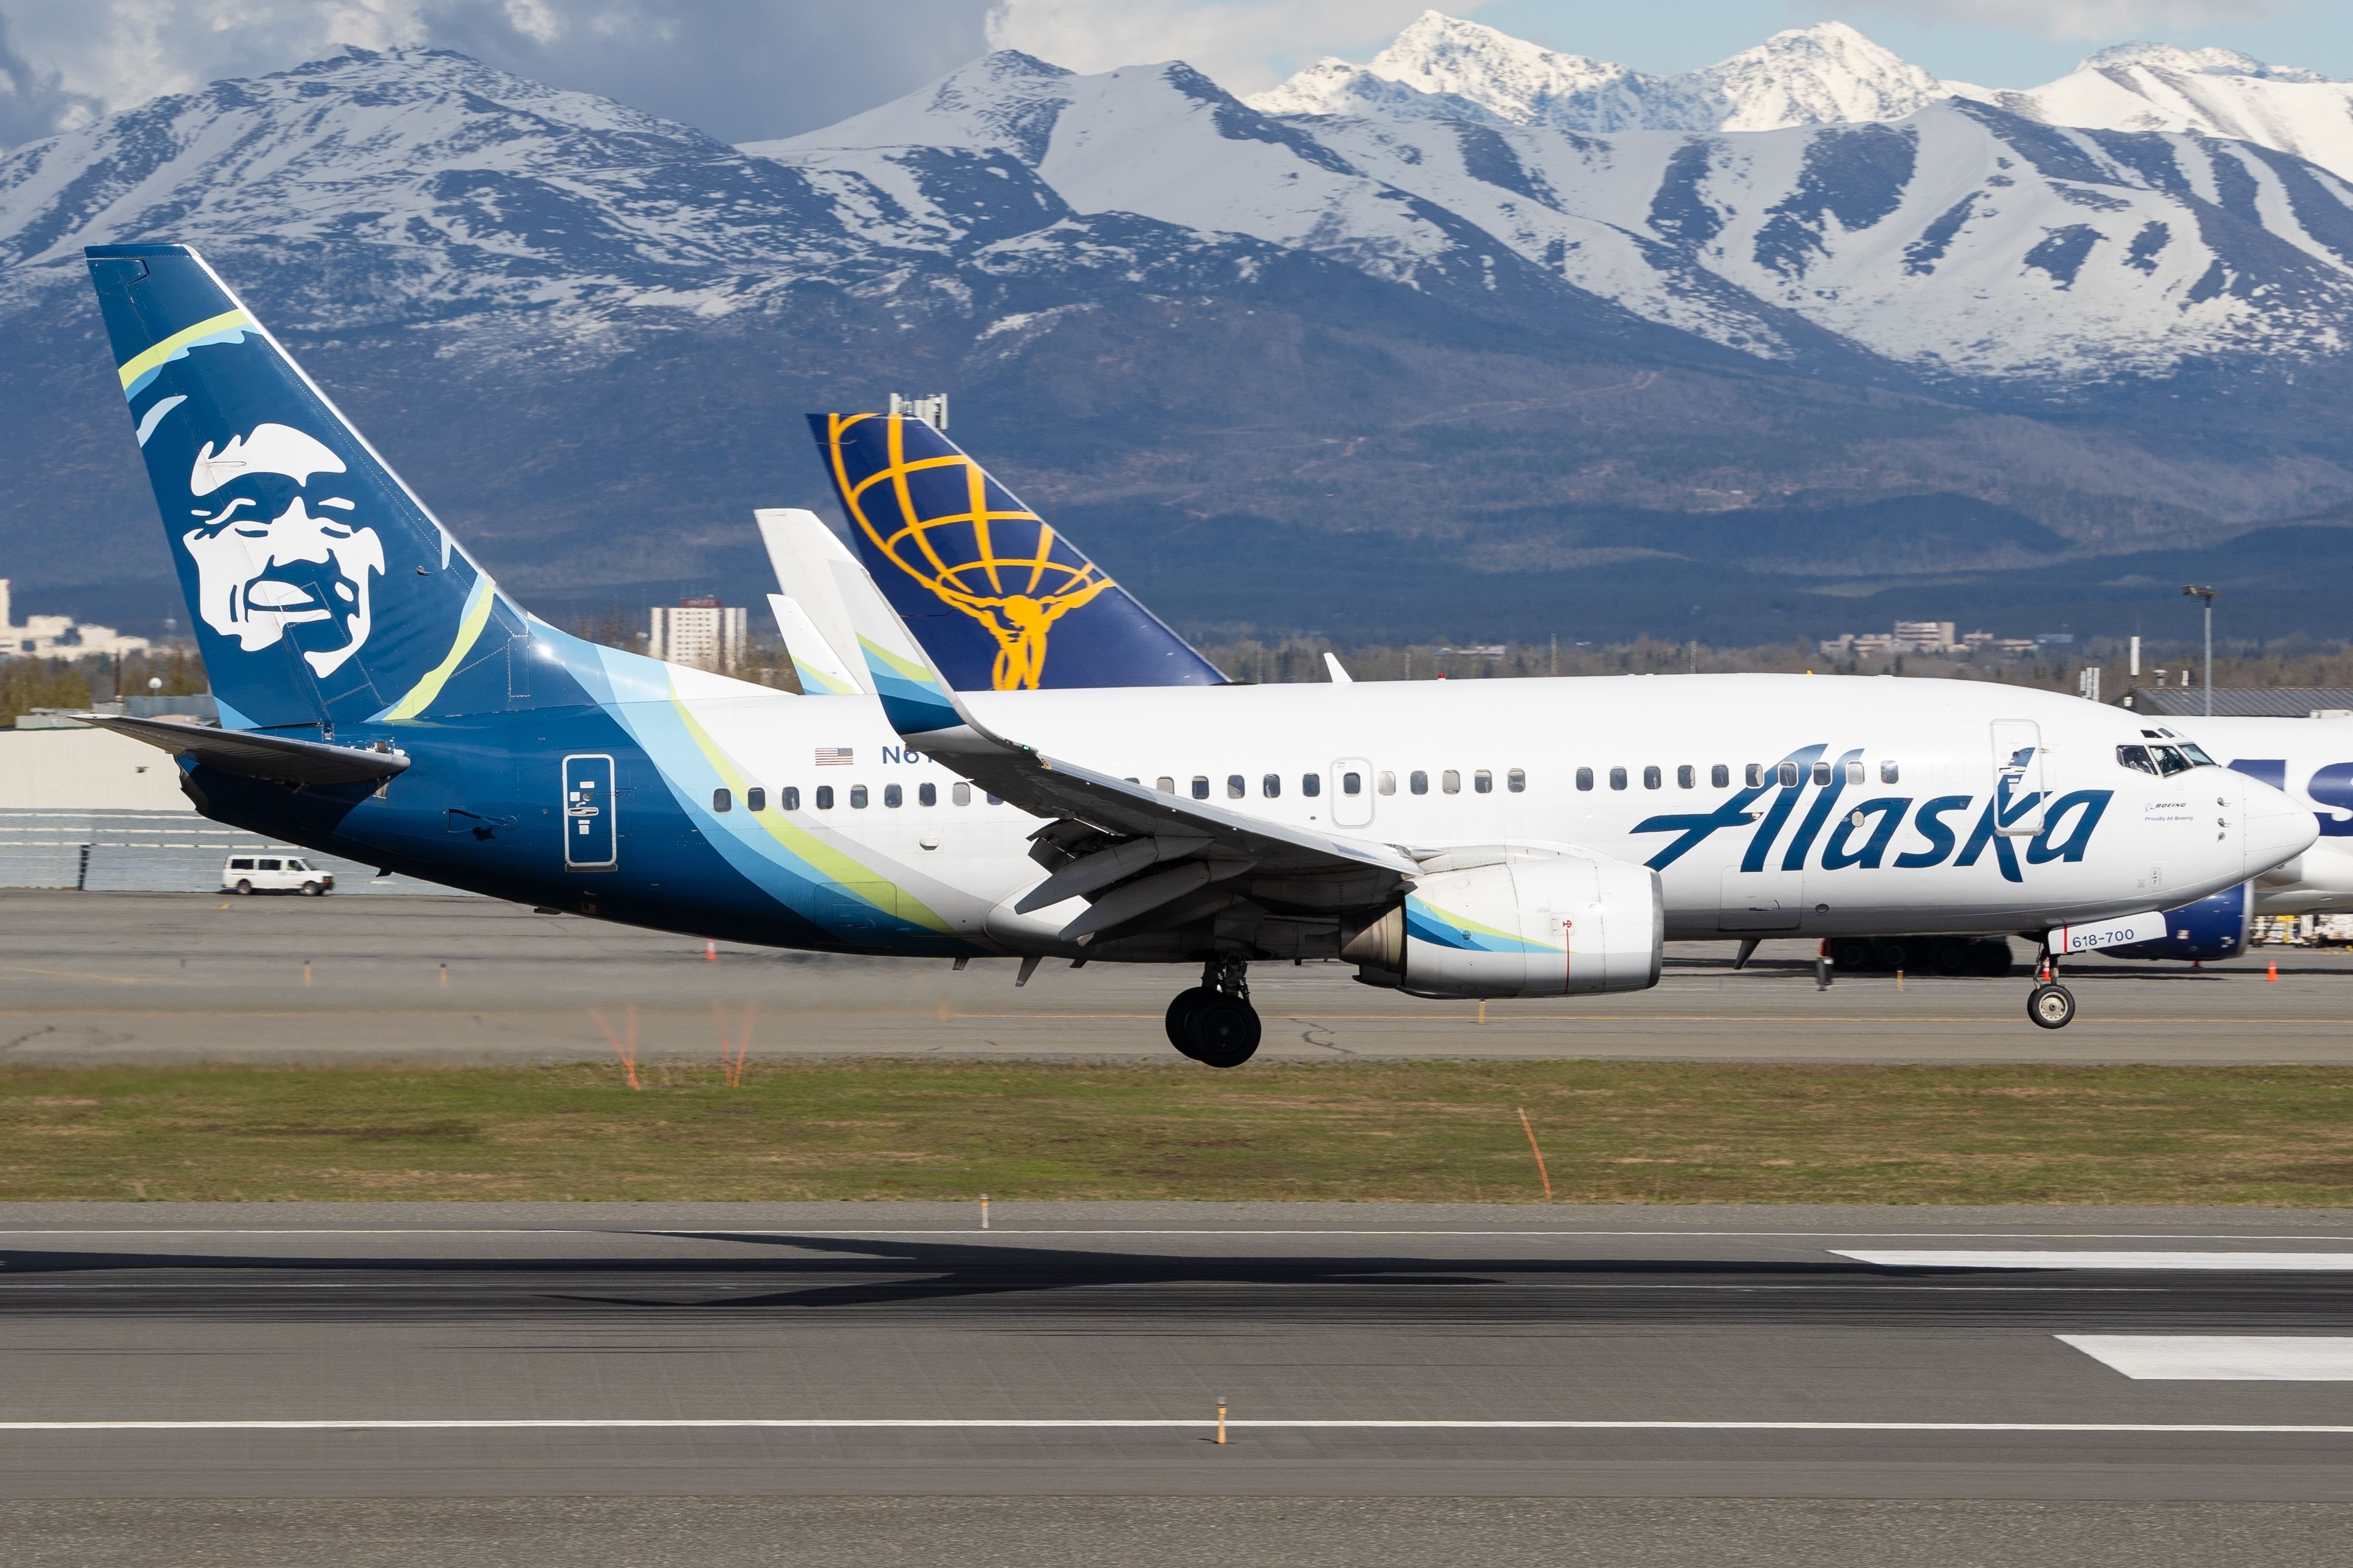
591	836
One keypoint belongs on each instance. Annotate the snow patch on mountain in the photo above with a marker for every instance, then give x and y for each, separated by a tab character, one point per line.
1441	66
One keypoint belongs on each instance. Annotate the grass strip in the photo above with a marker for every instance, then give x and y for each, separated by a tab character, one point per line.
1611	1132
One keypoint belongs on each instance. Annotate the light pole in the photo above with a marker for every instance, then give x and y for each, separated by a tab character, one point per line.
2194	591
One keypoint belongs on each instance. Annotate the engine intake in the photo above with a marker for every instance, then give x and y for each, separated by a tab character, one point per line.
1532	923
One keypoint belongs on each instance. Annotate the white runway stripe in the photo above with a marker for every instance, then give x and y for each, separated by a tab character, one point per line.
2236	1262
2221	1358
1090	1424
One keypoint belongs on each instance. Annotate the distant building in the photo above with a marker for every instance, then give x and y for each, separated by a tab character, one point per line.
703	633
1908	637
2242	702
59	637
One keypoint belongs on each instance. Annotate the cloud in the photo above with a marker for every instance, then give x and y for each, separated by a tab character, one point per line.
2082	18
1244	45
740	69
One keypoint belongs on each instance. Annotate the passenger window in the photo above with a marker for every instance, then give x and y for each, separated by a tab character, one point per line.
1516	781
1652	778
893	796
756	799
1484	782
1270	786
994	800
1854	770
858	797
927	795
1235	787
1617	778
1450	781
1385	782
792	798
1889	772
244	865
1418	781
1200	786
1686	777
269	865
1585	778
1313	785
2137	758
961	794
2169	763
1821	773
1165	784
824	797
1789	774
1756	775
1352	783
721	801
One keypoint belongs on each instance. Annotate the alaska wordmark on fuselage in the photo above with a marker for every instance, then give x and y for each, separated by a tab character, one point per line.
383	700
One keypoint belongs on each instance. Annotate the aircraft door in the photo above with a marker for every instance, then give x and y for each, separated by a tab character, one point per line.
1352	793
591	835
1767	899
2020	786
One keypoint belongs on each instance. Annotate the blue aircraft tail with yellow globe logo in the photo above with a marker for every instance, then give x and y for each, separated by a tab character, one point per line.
999	599
322	590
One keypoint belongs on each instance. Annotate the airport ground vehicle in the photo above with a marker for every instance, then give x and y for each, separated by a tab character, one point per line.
275	874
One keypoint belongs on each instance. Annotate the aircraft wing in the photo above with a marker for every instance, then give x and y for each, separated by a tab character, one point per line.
1142	858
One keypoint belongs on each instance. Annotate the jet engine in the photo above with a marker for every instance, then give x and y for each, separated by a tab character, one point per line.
1518	922
2213	927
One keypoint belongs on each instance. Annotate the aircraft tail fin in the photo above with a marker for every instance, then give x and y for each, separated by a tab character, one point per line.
810	613
999	599
321	590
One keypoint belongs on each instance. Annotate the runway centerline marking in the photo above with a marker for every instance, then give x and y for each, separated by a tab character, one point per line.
2221	1358
1020	1424
2203	1262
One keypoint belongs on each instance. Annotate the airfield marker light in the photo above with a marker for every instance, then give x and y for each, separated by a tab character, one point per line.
445	977
306	974
1542	1175
983	1211
940	1010
1221	1420
1899	982
1482	1012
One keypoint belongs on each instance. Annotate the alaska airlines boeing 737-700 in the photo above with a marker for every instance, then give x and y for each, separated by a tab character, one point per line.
382	698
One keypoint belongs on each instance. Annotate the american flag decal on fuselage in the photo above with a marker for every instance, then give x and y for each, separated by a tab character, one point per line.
835	756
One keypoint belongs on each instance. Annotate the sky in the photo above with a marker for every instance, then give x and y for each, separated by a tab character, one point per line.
746	69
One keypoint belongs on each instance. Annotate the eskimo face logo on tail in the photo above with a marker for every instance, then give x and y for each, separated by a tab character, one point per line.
276	546
1002	566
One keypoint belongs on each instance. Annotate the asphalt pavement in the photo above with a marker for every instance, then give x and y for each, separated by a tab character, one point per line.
94	977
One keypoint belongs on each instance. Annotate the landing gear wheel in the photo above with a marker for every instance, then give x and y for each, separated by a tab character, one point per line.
2051	1006
1181	1013
1952	958
1221	1031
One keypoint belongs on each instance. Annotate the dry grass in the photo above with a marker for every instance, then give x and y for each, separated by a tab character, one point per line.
1612	1133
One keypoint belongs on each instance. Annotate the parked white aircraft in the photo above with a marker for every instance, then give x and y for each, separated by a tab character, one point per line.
2311	760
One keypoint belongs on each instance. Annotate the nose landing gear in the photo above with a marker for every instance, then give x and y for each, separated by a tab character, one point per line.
2051	1005
1214	1023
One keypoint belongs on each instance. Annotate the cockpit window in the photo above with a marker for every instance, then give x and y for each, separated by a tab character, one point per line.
2198	759
2169	762
2136	757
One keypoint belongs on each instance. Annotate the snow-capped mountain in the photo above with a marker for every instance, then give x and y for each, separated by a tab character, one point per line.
2204	92
1441	66
1960	240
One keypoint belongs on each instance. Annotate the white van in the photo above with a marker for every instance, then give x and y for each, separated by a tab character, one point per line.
274	874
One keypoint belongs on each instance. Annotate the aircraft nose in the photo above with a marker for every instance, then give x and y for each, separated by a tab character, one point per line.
2277	829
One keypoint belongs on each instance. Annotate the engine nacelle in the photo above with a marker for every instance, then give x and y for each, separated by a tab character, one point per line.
1528	923
2213	927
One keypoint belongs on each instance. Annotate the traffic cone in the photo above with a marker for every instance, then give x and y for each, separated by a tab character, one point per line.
2272	973
710	953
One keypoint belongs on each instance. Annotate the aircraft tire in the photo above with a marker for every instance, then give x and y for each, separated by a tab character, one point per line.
1952	958
1989	958
1221	1031
2051	1006
1180	1010
1852	957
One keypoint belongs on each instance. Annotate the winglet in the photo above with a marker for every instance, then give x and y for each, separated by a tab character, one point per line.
917	703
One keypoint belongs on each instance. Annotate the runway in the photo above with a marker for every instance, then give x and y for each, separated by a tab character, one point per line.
98	977
1365	1351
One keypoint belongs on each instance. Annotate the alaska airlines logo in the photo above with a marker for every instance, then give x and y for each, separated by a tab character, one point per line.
1863	833
936	520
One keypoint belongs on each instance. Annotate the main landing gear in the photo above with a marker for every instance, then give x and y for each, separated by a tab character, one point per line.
1214	1022
2051	1005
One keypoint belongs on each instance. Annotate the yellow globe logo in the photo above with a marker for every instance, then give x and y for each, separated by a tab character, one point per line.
944	522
